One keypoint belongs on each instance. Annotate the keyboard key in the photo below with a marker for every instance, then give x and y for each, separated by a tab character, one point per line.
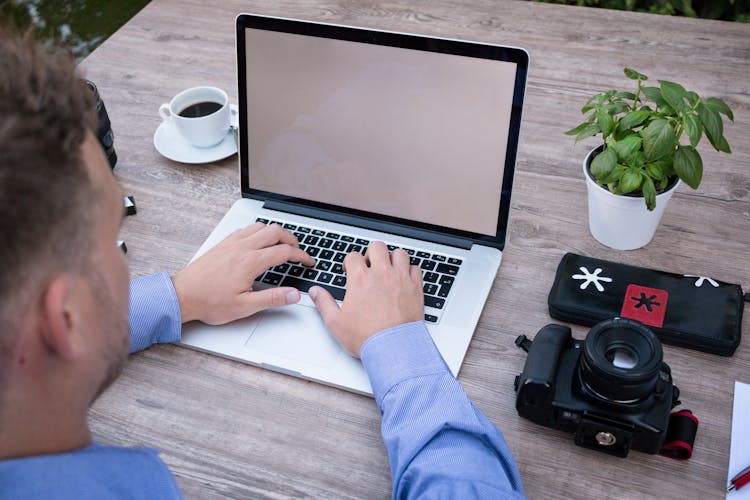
410	251
325	277
430	289
304	285
423	255
362	242
340	246
438	258
444	290
290	227
337	269
259	277
430	301
310	274
454	261
348	239
272	278
264	221
447	280
313	251
296	270
298	235
447	269
391	247
430	318
339	257
339	281
354	248
303	229
326	254
311	240
428	265
431	277
333	236
325	243
318	232
302	247
414	261
281	268
323	265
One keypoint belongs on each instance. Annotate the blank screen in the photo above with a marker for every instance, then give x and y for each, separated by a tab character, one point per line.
400	132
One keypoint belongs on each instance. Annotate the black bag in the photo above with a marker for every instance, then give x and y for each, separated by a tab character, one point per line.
683	310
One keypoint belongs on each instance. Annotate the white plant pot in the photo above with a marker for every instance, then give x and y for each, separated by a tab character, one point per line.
618	221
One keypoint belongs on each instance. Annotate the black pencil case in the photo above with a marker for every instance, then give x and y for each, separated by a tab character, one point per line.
684	310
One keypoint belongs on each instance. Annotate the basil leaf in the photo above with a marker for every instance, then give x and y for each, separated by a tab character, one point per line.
603	164
692	125
688	165
658	139
719	106
631	180
649	193
634	75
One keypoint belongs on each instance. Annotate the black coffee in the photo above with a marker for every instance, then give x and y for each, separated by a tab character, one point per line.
200	109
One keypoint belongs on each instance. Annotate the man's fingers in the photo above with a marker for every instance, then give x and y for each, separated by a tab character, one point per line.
278	254
256	301
326	304
400	259
271	235
416	274
353	262
377	253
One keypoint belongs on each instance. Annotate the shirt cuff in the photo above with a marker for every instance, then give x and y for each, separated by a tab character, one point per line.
398	354
154	311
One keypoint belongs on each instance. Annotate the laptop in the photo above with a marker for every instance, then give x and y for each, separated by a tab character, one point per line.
350	135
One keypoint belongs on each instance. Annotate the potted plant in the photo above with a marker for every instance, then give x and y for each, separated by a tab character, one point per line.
649	139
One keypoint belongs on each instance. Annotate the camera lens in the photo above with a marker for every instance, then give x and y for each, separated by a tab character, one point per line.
621	361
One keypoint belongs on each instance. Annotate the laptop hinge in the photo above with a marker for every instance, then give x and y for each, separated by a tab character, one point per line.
375	225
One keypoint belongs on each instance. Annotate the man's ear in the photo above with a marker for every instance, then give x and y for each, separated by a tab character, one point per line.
61	317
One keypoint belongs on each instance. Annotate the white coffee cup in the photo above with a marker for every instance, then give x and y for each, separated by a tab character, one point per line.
200	114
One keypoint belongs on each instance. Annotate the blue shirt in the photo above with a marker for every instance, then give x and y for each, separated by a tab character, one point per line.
439	444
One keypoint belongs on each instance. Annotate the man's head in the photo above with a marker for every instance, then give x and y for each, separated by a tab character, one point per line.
63	281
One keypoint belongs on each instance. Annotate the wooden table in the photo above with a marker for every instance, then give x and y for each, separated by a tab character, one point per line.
231	430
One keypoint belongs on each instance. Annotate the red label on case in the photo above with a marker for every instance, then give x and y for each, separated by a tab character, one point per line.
644	304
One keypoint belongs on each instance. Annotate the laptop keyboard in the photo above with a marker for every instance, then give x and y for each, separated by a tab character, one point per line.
329	249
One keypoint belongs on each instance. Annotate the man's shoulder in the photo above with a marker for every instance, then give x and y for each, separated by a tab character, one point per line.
92	472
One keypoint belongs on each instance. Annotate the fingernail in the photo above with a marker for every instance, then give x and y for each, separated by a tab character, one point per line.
313	292
292	297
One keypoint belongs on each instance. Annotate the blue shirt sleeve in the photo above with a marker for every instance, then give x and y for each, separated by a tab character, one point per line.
154	312
439	444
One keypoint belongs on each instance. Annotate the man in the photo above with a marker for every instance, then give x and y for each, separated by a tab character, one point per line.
64	315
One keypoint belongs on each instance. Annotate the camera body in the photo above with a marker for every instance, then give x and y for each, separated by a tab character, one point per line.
612	389
104	129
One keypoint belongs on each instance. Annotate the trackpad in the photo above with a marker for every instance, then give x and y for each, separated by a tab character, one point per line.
296	333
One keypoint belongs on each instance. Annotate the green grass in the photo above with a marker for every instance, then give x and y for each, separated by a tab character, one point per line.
725	10
80	25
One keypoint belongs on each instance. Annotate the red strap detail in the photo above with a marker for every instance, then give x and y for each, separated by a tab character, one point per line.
686	413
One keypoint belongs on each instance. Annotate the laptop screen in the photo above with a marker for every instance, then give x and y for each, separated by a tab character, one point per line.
384	126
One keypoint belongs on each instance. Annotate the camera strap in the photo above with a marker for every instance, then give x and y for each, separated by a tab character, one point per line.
681	430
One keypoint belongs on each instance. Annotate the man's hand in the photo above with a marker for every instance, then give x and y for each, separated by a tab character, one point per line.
382	290
216	287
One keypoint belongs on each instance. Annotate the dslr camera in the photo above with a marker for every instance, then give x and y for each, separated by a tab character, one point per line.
104	129
612	389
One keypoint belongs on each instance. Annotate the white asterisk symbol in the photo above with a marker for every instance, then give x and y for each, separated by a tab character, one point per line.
701	279
590	277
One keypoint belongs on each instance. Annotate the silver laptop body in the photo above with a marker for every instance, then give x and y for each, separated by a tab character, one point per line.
351	135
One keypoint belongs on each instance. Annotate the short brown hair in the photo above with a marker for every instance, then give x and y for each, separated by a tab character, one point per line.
45	190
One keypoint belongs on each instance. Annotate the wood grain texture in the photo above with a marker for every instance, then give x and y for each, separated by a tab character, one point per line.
228	430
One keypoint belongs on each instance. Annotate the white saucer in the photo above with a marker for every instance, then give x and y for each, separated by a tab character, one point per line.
171	145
